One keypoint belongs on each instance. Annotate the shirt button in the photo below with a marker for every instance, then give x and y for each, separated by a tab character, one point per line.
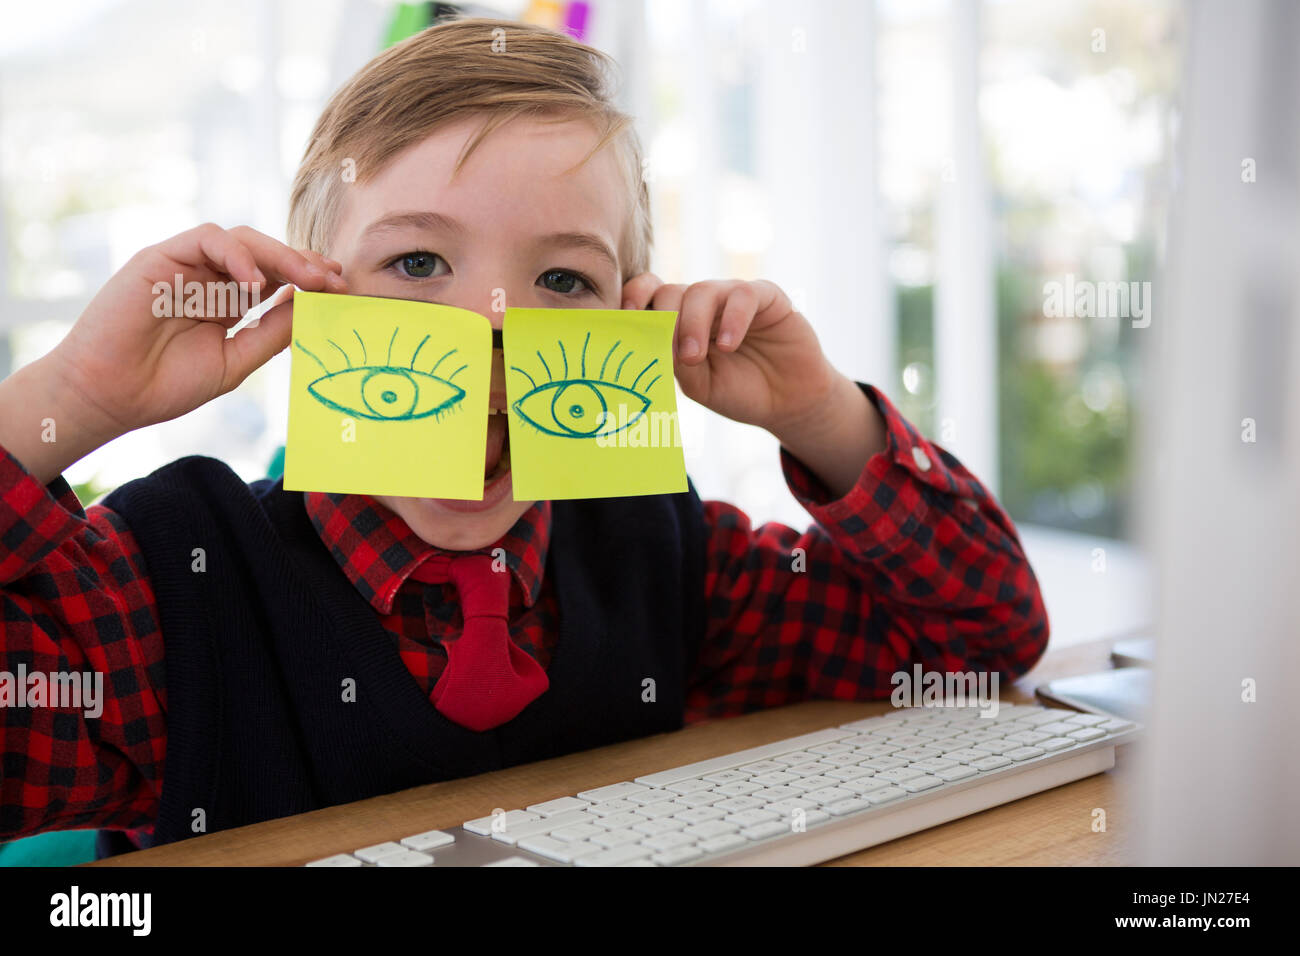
921	458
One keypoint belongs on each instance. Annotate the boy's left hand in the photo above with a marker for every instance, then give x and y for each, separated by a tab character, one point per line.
742	350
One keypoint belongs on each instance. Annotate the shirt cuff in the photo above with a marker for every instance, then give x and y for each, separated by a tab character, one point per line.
890	499
34	518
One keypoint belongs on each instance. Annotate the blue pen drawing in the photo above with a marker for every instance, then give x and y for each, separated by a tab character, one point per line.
585	406
386	392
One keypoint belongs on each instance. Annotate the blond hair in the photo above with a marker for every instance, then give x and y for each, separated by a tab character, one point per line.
499	69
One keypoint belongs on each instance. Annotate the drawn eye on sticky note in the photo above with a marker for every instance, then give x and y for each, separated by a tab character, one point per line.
387	397
593	409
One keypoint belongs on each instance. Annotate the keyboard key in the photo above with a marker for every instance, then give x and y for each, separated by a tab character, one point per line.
612	838
795	758
768	794
762	766
1116	725
831	748
573	834
669	841
657	827
1024	753
1057	743
913	754
698	814
647	797
933	764
618	821
513	861
707	831
991	762
430	840
613	792
998	746
852	805
338	859
899	774
829	794
750	818
736	804
883	763
1086	720
965	755
775	778
1028	737
371	854
814	783
1059	727
1086	733
742	758
848	759
557	850
725	842
611	807
563	805
739	788
956	772
700	798
680	855
848	773
917	784
876	797
664	808
764	830
865	785
512	834
728	776
878	750
405	858
811	768
689	786
615	856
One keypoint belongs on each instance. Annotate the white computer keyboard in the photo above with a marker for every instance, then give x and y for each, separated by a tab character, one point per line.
794	802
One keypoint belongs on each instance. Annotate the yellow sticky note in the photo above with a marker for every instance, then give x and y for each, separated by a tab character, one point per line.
387	397
593	410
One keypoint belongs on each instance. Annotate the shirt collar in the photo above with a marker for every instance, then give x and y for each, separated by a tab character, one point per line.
377	550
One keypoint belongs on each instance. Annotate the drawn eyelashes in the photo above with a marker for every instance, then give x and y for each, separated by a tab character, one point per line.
583	407
385	392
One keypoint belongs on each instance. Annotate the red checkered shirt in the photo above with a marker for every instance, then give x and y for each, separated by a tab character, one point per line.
916	564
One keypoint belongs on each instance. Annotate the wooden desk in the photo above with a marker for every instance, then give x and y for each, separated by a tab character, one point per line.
1050	828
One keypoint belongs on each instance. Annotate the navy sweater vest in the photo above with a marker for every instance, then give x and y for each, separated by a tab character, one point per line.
262	645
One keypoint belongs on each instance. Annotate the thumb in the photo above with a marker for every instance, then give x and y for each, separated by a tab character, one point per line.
257	343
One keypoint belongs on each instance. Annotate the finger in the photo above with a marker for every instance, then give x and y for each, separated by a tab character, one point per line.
640	290
695	320
737	314
212	247
324	262
255	345
287	265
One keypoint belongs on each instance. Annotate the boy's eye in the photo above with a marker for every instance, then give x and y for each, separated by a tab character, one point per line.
562	281
419	265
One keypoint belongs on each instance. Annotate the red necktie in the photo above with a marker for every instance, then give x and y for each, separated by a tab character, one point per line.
488	679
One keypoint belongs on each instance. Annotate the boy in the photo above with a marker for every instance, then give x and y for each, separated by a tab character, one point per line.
323	648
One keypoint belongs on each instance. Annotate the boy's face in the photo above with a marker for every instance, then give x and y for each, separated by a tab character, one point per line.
505	230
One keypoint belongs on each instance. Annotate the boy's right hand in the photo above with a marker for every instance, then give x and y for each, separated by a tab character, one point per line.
122	367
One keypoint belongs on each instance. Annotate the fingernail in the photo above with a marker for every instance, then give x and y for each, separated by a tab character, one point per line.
725	340
259	277
690	347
